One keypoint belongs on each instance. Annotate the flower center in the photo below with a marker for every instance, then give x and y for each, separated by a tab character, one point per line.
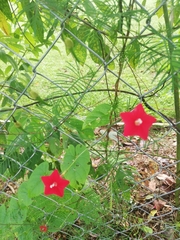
138	122
54	184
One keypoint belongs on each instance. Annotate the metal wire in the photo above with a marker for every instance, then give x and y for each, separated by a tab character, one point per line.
134	221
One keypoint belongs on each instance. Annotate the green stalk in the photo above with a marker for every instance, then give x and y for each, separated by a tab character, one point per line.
175	86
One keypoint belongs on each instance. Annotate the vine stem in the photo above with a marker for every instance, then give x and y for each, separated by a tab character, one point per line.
175	85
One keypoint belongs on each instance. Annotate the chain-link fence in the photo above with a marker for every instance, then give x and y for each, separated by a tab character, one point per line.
66	105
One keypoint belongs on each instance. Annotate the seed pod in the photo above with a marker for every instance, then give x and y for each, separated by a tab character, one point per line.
68	43
34	95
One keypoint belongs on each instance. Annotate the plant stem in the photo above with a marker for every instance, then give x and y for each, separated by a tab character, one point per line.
175	86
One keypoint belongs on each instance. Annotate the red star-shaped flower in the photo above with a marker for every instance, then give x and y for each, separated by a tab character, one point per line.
43	228
54	184
137	122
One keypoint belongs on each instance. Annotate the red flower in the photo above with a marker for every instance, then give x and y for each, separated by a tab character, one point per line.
54	184
43	228
137	122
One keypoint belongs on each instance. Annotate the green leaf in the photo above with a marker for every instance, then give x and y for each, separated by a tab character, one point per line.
36	22
4	164
54	146
96	43
89	8
177	225
35	184
33	156
74	123
60	7
74	139
34	17
61	215
16	85
1	73
76	165
176	59
147	229
83	33
3	217
13	63
79	52
7	58
24	194
74	47
4	7
24	232
160	12
144	2
16	142
16	212
3	56
98	117
69	41
90	209
108	58
15	166
14	44
85	134
52	29
8	70
176	13
64	216
6	102
123	182
133	53
25	67
3	141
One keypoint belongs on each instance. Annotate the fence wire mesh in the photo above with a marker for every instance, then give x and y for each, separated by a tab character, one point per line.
57	90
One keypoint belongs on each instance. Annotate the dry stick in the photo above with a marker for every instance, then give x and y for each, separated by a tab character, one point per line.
65	95
97	90
91	91
121	65
176	105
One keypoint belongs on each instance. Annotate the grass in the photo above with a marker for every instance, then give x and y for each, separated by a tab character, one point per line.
57	63
58	68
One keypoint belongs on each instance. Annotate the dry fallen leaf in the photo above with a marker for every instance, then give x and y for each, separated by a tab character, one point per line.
152	167
152	214
162	160
152	185
96	162
159	204
168	180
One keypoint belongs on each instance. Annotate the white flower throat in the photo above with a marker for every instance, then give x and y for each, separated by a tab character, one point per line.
138	122
54	184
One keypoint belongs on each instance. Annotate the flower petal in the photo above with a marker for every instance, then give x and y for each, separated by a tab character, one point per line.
137	115
54	184
43	228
